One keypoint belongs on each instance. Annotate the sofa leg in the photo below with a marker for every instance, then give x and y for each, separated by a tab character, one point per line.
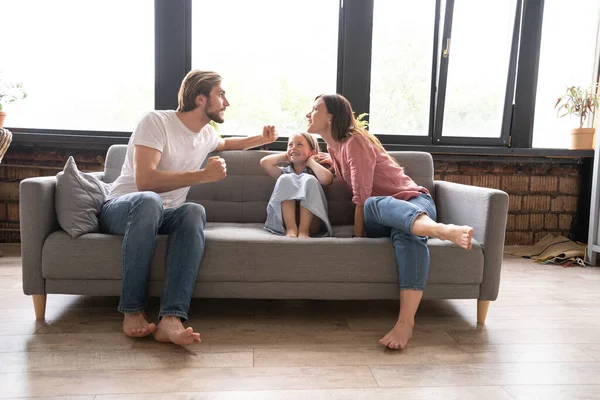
39	304
482	310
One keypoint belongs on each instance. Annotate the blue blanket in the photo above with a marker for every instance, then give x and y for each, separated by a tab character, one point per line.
304	188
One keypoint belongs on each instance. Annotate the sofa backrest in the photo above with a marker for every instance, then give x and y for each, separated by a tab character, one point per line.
114	162
244	194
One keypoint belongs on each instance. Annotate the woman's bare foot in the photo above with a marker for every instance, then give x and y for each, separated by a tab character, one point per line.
399	336
136	325
293	232
303	235
170	329
461	235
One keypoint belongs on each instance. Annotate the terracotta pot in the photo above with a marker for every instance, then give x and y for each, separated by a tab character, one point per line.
2	117
582	138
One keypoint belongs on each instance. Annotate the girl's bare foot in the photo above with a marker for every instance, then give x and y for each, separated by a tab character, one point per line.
303	235
291	232
461	235
399	336
170	329
136	325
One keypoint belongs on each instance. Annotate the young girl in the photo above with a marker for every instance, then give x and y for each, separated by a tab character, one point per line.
298	194
388	203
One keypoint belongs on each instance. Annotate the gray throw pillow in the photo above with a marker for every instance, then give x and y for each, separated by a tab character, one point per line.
78	199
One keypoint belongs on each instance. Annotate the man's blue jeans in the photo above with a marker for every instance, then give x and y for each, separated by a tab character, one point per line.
387	216
140	217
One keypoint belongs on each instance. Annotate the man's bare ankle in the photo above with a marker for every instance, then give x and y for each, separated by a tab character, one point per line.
171	320
134	315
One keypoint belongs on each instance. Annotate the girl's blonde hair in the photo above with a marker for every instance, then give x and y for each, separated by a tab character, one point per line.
312	141
344	124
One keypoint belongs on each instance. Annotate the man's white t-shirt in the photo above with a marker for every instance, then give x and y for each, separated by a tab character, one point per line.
182	150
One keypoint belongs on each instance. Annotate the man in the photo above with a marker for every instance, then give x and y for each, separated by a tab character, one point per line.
163	160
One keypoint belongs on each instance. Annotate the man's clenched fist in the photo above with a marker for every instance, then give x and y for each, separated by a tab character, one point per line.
215	169
269	134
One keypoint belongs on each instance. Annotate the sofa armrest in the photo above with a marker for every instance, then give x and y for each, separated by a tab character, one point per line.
484	209
37	219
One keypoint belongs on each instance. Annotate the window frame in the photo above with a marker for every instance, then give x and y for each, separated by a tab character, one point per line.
173	25
502	140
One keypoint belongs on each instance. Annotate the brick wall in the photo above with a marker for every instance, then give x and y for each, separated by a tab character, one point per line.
543	196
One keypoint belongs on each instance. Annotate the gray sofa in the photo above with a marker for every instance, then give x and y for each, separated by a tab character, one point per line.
244	261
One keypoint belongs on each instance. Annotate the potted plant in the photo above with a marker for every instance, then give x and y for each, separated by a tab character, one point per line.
9	93
581	103
362	122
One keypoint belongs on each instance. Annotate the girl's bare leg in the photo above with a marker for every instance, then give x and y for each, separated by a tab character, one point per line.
288	211
306	219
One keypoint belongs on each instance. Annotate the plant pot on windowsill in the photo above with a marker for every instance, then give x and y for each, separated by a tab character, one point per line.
580	102
582	138
2	117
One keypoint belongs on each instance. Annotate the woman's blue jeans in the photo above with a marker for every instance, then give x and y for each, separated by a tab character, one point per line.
140	217
386	216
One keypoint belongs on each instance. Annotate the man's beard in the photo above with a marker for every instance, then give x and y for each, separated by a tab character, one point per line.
213	115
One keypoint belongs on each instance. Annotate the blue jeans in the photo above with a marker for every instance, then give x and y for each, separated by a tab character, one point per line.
386	216
139	217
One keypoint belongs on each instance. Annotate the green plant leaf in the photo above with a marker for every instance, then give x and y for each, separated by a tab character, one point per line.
578	101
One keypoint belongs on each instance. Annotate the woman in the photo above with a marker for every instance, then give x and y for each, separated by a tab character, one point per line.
388	203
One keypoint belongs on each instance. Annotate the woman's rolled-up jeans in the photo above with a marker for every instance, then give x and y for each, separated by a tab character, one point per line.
386	216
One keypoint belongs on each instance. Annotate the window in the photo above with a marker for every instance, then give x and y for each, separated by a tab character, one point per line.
85	65
469	78
274	56
99	66
478	65
567	58
401	67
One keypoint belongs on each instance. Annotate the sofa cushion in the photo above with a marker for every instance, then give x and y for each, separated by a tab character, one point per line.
237	253
79	198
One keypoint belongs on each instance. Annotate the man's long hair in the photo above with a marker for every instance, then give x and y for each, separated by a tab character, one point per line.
194	84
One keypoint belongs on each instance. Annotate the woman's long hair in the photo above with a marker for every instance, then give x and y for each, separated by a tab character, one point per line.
343	122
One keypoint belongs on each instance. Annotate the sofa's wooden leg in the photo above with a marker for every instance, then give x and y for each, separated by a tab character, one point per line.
39	304
482	309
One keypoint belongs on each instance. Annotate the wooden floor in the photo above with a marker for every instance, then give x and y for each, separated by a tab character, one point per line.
541	340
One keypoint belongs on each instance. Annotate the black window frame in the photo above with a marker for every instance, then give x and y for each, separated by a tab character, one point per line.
503	138
173	47
357	17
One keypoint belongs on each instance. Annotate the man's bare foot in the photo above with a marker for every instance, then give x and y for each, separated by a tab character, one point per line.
170	329
303	235
136	325
461	235
399	336
291	233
